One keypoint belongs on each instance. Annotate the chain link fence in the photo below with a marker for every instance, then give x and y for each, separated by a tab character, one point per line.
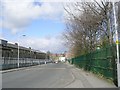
101	62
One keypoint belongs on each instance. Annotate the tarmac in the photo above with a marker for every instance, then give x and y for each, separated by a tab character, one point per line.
81	78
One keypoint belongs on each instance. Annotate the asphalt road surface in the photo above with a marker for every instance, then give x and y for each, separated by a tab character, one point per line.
51	75
44	76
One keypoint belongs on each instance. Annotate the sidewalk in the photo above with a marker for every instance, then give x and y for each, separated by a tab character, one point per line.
16	69
83	79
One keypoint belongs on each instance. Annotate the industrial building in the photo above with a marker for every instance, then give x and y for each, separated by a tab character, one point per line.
12	53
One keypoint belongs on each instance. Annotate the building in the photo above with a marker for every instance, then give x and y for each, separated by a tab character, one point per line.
11	51
62	59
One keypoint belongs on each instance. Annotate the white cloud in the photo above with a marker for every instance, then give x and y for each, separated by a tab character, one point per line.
17	14
53	44
1	36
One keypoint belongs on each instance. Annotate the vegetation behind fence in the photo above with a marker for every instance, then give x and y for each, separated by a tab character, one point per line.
101	62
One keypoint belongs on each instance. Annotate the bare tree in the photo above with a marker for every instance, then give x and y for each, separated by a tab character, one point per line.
119	19
89	25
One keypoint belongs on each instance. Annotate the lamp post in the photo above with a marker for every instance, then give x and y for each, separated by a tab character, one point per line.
18	55
18	64
117	45
98	47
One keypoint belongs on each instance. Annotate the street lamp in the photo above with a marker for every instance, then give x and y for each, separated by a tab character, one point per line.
98	47
18	64
18	55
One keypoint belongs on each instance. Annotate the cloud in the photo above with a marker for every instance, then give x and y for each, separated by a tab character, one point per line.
1	36
52	44
18	14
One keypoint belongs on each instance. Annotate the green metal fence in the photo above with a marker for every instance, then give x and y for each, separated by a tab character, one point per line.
101	62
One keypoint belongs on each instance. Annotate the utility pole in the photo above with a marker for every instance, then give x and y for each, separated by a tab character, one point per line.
117	44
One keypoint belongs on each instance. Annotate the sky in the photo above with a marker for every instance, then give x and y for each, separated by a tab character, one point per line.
33	23
38	24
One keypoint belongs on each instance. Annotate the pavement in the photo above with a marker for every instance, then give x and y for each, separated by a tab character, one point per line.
84	79
16	69
42	76
61	75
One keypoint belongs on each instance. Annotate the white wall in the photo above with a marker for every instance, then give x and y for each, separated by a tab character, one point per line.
62	59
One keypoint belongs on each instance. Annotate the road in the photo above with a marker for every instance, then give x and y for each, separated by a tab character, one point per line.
50	76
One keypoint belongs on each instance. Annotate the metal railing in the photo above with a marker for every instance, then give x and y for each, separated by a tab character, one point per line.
10	63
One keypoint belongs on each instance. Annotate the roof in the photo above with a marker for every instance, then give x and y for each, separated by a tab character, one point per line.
10	45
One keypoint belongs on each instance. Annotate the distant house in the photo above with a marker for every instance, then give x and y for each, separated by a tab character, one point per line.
62	59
